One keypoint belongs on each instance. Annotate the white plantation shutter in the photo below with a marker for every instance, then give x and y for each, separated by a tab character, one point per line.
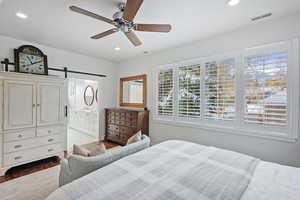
266	88
220	90
189	91
254	91
165	95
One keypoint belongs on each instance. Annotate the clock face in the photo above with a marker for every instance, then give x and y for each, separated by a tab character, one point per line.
31	63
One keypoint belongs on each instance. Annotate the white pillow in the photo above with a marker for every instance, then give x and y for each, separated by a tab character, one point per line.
135	138
78	150
99	149
93	151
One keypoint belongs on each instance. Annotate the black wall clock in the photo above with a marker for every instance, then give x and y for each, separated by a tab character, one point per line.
29	59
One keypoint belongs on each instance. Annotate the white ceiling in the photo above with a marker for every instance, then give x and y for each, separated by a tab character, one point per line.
51	23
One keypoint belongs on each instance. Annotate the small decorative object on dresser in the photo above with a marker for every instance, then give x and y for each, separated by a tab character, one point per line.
121	124
29	59
33	124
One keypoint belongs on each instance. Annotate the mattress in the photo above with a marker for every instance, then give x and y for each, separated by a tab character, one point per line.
179	170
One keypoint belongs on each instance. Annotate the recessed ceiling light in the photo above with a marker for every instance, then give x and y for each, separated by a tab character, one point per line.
233	2
21	15
117	48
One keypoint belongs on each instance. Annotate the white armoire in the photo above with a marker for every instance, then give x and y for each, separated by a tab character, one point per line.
32	118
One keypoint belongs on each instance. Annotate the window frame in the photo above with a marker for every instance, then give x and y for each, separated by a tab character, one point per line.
238	126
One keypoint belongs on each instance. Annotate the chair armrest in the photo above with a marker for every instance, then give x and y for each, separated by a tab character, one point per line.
65	173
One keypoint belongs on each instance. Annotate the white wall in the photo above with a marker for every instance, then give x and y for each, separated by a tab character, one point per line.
256	34
61	58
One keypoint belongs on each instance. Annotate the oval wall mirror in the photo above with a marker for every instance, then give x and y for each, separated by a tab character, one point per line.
89	95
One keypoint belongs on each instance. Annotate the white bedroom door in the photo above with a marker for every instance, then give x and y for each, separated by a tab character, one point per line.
19	104
50	104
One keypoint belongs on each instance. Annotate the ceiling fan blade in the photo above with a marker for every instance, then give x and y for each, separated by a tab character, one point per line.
153	27
133	38
106	33
90	14
131	9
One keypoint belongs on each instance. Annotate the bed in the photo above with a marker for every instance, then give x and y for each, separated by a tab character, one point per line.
179	170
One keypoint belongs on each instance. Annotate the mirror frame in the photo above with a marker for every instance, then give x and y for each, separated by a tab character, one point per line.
84	95
132	78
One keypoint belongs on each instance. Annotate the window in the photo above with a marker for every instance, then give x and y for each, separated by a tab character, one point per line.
254	91
189	91
266	88
165	93
220	90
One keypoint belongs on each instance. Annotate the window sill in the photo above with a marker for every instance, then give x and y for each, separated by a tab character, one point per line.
229	130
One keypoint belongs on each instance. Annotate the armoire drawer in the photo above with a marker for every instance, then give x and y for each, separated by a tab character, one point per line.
10	147
28	155
49	130
19	135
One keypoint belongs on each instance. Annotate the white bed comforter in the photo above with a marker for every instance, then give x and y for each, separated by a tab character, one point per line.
177	170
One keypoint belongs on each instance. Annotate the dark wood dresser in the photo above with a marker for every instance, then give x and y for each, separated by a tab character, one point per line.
121	124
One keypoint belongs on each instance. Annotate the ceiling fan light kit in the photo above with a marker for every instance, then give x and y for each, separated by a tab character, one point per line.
123	21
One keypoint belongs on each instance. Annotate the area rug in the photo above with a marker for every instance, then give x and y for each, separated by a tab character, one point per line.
36	186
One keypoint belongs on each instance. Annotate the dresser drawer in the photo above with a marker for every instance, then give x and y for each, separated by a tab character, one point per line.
120	122
111	121
120	117
131	123
124	139
111	127
31	143
124	130
49	130
19	135
31	154
113	136
131	115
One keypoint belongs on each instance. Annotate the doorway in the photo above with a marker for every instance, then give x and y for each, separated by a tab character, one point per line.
83	116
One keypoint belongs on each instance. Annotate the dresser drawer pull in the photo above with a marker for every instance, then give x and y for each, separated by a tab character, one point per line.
20	136
50	140
49	150
18	157
49	131
18	146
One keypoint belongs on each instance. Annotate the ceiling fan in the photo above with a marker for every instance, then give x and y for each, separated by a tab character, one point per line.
123	21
